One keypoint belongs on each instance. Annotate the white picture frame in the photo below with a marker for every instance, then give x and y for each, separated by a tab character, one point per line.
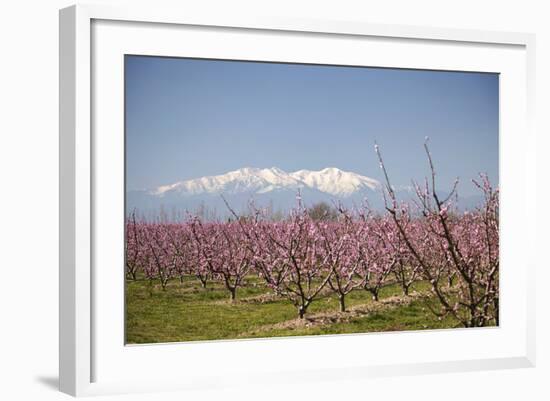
91	363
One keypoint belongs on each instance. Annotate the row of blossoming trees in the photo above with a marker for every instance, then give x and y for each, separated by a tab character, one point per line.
301	258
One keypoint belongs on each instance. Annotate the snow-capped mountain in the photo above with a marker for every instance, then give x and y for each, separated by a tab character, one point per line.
331	181
335	182
271	186
268	187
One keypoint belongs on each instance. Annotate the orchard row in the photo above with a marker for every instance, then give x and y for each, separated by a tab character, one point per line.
302	258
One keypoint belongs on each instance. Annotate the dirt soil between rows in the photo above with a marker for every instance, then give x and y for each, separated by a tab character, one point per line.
328	318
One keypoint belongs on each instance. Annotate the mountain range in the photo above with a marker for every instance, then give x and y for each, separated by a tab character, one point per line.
331	181
268	187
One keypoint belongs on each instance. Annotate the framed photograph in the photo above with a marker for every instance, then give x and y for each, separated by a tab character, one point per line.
290	200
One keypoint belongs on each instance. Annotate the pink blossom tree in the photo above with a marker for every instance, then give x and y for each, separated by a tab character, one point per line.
222	253
132	247
444	243
291	258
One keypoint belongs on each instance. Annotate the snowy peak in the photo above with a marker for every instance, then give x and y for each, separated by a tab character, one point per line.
335	181
246	179
331	181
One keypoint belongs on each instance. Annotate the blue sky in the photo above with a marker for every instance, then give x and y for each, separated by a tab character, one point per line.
188	118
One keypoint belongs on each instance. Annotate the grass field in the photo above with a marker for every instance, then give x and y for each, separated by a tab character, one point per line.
188	312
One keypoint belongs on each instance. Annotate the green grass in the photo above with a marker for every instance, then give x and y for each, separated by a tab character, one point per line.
187	312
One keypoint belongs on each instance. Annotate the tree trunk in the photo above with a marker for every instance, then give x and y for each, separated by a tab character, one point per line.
450	281
233	294
301	312
342	300
374	295
406	290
